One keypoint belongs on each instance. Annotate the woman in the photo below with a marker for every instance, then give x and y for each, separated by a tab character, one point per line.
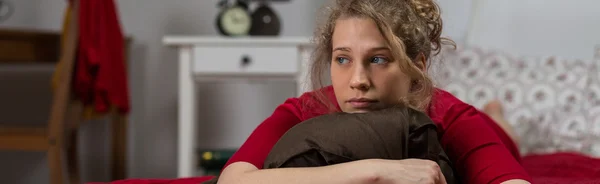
377	52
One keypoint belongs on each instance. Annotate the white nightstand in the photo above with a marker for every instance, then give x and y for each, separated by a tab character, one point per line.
220	58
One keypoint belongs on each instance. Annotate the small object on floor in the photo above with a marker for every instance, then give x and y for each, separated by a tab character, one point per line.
213	161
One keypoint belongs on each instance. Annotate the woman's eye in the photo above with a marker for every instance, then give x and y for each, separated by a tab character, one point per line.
342	60
378	60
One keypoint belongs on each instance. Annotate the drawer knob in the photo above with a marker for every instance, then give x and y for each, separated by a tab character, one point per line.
246	60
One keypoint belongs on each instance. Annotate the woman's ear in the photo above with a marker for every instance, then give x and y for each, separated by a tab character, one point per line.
421	62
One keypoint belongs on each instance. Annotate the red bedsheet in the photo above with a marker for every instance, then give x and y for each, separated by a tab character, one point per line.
195	180
557	168
563	168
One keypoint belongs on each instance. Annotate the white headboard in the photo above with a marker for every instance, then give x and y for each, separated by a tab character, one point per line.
568	29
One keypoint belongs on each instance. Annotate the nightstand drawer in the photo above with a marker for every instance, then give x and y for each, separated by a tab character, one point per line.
245	60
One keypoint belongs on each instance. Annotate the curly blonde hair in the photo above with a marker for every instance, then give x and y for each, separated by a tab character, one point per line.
411	28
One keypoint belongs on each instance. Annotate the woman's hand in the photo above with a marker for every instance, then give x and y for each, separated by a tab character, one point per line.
369	171
404	171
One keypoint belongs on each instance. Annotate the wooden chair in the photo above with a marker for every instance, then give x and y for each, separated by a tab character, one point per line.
30	46
60	134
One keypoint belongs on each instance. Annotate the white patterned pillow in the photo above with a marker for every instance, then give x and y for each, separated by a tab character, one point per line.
555	131
592	105
527	86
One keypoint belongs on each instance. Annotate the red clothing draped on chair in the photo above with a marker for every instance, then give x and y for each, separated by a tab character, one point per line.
100	76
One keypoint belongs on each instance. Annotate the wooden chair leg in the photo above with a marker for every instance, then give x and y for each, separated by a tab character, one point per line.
55	164
119	146
72	158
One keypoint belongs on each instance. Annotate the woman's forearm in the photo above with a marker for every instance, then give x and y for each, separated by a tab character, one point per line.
340	173
516	181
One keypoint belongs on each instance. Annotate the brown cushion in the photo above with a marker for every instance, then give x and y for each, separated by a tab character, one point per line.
394	133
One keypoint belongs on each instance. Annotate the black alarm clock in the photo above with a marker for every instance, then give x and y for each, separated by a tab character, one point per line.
234	19
265	21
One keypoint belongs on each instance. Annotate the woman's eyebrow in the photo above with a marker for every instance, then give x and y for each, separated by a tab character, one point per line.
347	49
379	48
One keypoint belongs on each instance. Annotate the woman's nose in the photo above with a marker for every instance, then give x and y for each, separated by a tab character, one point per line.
360	78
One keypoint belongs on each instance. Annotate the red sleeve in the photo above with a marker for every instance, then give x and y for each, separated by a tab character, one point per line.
504	138
479	154
263	138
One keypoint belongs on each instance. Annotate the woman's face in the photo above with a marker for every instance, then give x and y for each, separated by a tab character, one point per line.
364	75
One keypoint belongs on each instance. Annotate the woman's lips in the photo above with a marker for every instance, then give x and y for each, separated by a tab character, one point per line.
361	103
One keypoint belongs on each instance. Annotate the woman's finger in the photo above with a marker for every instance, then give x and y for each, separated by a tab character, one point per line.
442	178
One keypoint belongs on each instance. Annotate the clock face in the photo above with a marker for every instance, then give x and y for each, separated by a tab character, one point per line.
236	21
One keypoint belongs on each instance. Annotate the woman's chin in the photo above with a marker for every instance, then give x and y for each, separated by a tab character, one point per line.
358	110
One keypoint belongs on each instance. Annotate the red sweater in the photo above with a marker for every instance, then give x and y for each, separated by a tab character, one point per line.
479	149
100	74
